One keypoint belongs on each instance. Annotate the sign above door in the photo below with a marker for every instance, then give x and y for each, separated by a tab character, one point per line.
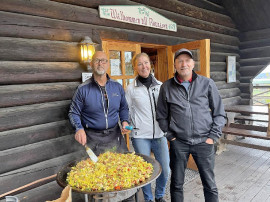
139	15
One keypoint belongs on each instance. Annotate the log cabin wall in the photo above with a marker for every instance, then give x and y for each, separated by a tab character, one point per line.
254	52
40	70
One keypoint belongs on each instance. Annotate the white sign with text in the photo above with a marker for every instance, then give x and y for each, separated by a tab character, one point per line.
139	15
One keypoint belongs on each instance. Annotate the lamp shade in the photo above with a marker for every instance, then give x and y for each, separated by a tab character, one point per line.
87	49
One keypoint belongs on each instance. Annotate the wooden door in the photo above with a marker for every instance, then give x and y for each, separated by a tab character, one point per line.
120	56
201	54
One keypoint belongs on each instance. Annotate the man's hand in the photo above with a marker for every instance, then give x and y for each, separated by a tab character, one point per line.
209	141
80	136
124	130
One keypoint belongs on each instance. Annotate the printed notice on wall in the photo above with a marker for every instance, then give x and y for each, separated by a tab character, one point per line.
231	69
115	67
86	76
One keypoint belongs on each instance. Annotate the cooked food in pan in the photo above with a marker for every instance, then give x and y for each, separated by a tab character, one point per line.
113	171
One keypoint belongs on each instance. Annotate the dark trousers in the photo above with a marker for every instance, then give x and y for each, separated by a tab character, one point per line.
204	156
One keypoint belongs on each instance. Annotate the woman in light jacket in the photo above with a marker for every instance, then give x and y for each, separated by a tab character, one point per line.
142	95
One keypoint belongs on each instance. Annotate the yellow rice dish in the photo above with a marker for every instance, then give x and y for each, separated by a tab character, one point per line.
113	171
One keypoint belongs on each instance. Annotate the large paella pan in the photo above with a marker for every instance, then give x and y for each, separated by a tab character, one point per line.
62	177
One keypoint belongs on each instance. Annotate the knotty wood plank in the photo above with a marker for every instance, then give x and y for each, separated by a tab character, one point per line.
34	153
21	72
15	95
29	115
33	134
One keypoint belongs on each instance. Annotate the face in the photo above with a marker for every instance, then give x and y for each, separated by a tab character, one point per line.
184	65
143	66
99	63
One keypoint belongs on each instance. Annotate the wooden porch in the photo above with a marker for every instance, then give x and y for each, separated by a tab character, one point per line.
242	174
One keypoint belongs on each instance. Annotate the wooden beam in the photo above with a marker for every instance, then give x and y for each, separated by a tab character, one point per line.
37	50
28	174
255	61
191	11
227	93
225	85
231	101
35	153
15	95
257	52
251	71
242	144
33	134
15	117
20	72
90	16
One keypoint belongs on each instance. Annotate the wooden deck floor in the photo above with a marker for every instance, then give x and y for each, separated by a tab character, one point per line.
242	174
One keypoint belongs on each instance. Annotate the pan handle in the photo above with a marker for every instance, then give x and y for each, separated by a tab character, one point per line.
105	197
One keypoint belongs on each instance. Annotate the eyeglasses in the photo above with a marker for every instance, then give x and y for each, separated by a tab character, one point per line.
103	61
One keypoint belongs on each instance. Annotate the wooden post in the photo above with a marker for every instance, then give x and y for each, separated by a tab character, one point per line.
268	128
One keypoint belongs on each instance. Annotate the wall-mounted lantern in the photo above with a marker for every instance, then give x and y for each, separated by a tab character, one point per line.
87	51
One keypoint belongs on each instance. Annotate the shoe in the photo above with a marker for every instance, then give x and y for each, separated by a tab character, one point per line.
160	200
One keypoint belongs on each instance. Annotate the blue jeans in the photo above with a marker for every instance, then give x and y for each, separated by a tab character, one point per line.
204	157
159	147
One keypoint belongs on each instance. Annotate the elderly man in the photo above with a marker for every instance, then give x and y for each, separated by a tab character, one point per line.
96	108
190	110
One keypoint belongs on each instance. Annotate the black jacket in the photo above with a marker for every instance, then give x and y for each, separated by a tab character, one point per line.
191	117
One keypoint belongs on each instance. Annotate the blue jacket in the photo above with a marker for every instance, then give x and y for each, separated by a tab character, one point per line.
87	106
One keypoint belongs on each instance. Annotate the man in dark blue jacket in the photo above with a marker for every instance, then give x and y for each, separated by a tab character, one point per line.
96	108
190	110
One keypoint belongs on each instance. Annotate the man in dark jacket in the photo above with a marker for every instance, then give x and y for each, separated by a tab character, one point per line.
190	110
95	110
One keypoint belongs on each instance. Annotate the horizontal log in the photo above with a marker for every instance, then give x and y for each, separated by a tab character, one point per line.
90	16
231	101
216	47
257	52
29	115
253	128
255	35
33	134
246	102
36	50
251	71
246	95
16	95
254	61
225	85
36	153
245	87
254	44
221	57
207	5
221	66
246	79
191	11
221	76
227	93
21	72
28	174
